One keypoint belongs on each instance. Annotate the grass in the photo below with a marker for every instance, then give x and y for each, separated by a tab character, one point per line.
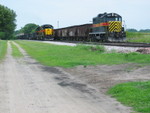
66	56
138	37
133	94
3	49
15	51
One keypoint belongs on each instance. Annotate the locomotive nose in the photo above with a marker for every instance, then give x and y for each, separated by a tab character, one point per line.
115	26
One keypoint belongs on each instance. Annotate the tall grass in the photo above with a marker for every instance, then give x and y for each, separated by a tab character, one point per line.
3	49
66	56
138	37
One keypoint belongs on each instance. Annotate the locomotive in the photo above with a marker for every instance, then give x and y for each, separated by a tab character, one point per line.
106	27
44	32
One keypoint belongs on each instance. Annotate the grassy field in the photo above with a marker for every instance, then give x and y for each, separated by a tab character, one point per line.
3	49
66	56
138	37
133	94
15	51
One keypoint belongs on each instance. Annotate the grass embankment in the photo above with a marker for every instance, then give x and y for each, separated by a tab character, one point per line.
66	56
15	51
134	94
3	49
138	37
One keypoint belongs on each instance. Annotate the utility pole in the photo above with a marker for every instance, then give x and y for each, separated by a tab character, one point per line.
57	24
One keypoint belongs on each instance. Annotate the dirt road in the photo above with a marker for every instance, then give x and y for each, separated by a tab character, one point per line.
28	87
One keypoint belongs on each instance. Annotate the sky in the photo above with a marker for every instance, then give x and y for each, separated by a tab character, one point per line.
63	13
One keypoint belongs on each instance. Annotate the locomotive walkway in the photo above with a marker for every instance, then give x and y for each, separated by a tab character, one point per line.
28	87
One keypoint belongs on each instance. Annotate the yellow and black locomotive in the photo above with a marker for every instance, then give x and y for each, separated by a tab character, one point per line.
108	27
44	32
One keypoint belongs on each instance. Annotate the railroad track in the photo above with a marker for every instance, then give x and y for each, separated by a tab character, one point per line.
128	44
121	44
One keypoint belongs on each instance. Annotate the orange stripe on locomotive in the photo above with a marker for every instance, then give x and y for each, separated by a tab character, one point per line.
101	24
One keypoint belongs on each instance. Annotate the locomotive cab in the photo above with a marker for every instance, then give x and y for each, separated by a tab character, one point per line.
108	27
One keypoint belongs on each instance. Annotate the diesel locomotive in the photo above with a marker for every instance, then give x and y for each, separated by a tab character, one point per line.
106	27
44	32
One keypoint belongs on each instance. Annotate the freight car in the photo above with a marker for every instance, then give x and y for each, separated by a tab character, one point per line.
73	33
106	27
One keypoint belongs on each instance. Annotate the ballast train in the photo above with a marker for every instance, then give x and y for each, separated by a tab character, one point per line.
106	27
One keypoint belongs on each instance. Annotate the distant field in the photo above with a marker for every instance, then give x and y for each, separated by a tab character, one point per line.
3	49
133	94
66	56
138	37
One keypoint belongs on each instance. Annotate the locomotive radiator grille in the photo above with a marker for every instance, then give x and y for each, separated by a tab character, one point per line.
115	26
48	31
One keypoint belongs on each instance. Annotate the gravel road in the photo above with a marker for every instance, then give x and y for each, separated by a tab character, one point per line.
28	87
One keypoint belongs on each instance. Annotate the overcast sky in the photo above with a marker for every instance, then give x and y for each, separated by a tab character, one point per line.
135	13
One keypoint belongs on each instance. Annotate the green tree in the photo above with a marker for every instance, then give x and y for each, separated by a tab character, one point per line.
144	30
7	22
29	28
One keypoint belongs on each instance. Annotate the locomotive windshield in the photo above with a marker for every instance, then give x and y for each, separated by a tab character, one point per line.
47	26
114	19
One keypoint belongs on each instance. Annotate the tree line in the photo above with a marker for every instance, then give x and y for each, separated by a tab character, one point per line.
27	29
7	22
141	30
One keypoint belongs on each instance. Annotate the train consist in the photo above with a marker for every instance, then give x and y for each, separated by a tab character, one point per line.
106	27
